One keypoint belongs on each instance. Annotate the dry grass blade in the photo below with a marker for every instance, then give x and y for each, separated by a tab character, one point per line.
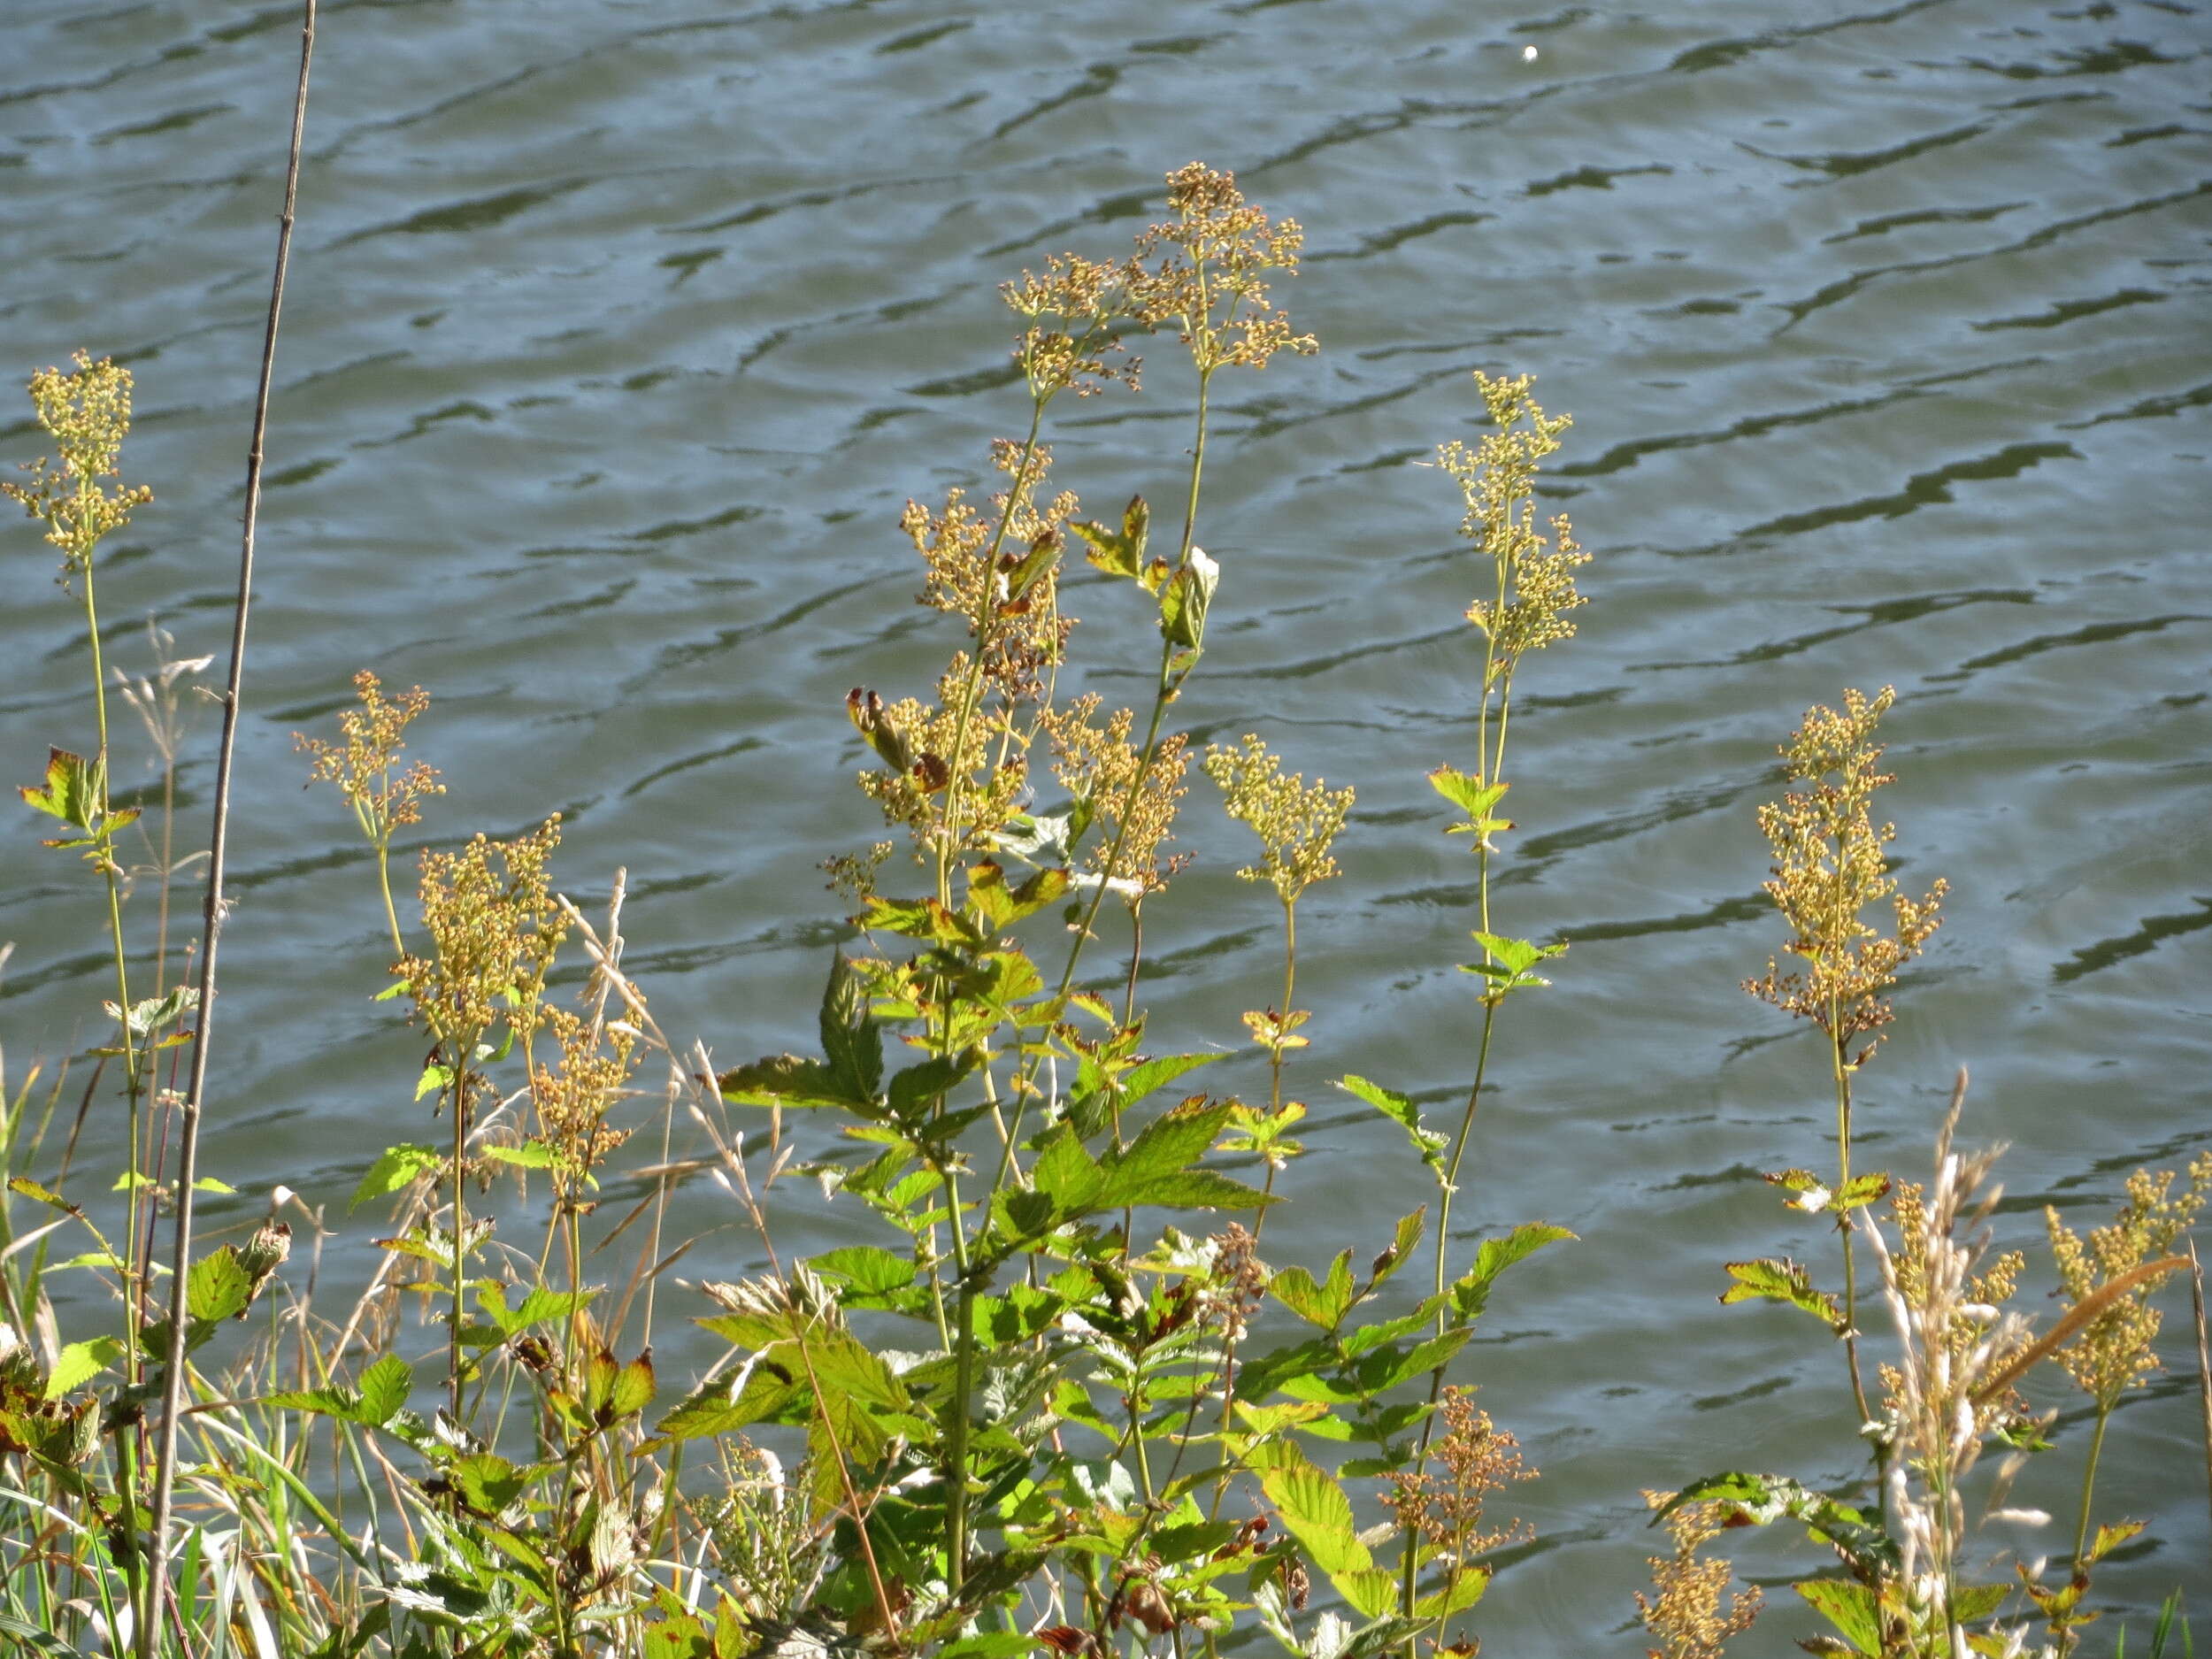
2084	1312
2204	1360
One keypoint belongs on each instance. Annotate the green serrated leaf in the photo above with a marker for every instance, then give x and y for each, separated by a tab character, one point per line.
1778	1278
1470	1293
486	1482
768	1382
1319	1516
1400	1250
867	1269
1142	1079
851	1043
787	1081
396	1168
1861	1190
531	1154
1469	793
79	1362
1466	1588
1318	1304
1850	1607
1400	1110
218	1286
913	1089
385	1386
1760	1500
1185	598
1170	1144
71	791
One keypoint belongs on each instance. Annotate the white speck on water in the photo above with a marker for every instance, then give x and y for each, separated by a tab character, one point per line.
1528	54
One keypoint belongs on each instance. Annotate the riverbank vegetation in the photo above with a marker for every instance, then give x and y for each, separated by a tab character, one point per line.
1061	1401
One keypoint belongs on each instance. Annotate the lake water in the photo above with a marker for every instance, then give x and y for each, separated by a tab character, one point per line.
619	333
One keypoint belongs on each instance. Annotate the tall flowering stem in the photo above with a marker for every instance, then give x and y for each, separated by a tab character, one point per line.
88	415
1206	273
1522	608
1830	868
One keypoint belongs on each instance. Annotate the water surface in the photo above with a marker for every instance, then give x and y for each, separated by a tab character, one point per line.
618	335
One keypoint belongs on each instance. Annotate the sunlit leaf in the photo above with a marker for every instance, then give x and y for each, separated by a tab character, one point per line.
1778	1278
1851	1608
396	1168
79	1362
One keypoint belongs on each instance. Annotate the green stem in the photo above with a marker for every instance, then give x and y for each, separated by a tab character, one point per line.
962	1381
1290	987
1164	692
384	885
1446	1186
2089	1483
126	1435
1843	1180
460	1230
972	691
133	1082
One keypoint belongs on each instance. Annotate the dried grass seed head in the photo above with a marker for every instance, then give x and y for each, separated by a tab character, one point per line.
1917	1268
87	414
1297	825
1205	273
1950	1347
1830	867
2117	1349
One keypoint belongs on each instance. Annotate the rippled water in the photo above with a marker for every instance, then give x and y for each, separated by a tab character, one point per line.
619	333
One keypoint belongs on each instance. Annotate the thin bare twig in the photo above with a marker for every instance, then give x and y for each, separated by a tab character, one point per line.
149	1622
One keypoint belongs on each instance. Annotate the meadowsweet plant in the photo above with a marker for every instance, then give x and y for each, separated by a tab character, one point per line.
1694	1613
1052	1398
1830	869
494	930
85	413
385	795
1065	1428
1911	1589
2108	1279
1907	1589
1525	590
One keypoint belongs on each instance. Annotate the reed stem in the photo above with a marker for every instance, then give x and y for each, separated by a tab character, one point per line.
219	840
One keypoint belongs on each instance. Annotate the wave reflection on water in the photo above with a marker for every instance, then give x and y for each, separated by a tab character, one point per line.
618	337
